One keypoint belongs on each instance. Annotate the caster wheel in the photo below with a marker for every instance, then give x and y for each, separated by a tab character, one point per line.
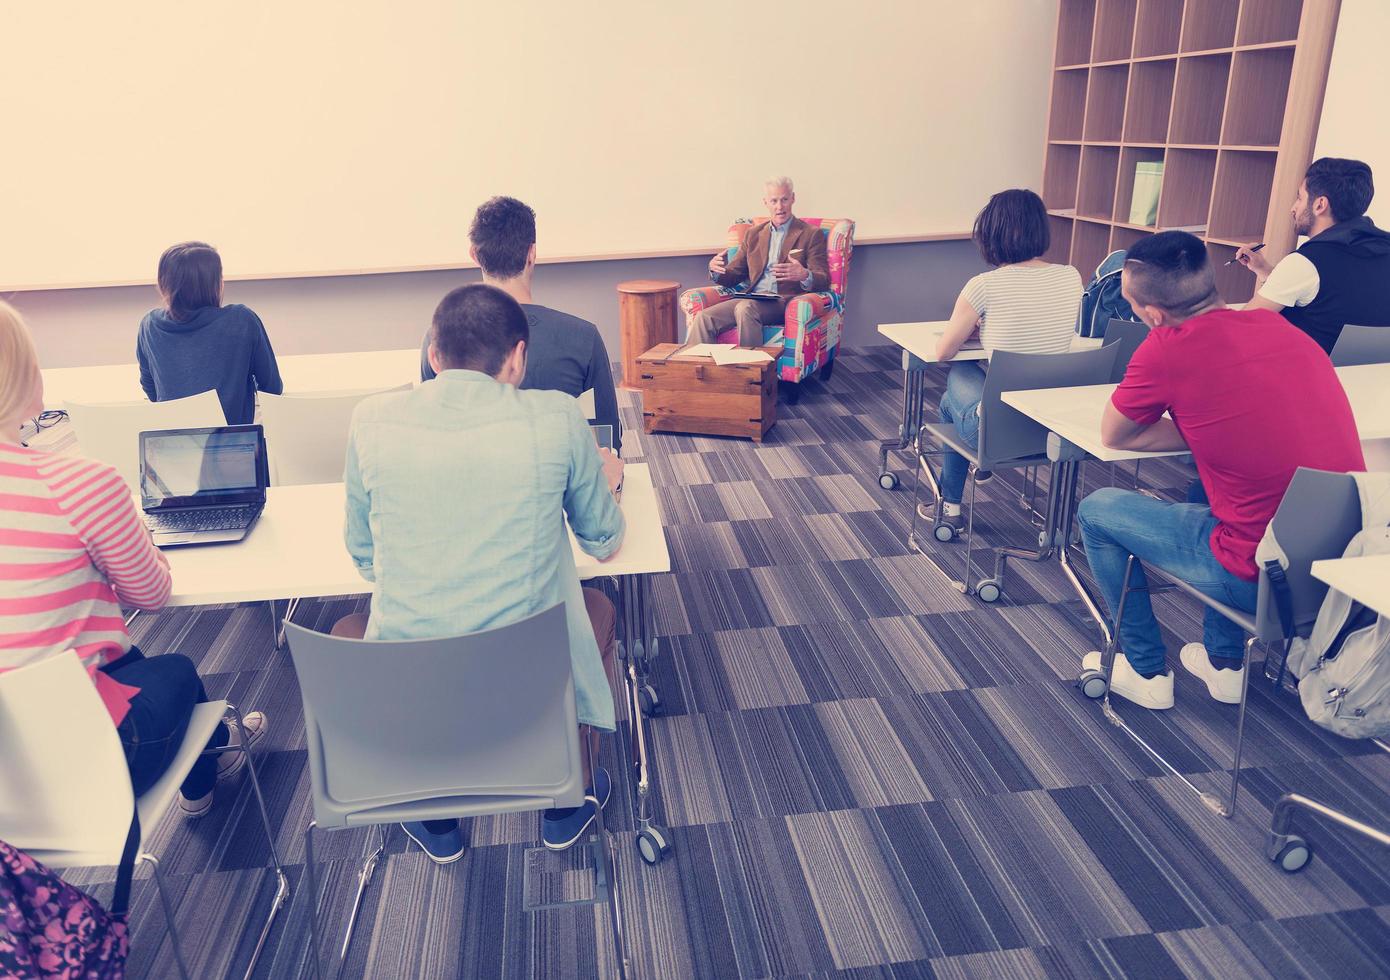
1294	856
1093	684
653	844
988	591
650	701
888	481
943	532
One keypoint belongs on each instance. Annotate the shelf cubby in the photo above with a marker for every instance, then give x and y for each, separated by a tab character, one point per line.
1269	21
1068	104
1075	20
1095	197
1060	248
1199	95
1114	30
1150	101
1105	103
1090	243
1259	89
1157	26
1187	184
1234	283
1126	238
1124	195
1060	175
1241	194
1209	24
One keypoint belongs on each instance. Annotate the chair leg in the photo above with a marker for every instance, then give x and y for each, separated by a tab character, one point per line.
969	537
364	877
313	898
282	883
608	869
290	606
168	907
1228	810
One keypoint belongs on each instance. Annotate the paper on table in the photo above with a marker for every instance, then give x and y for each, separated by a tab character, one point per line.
704	350
741	355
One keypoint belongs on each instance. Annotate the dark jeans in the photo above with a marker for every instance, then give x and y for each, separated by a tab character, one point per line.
153	730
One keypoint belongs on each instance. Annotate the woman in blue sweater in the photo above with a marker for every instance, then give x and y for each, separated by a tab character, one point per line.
195	343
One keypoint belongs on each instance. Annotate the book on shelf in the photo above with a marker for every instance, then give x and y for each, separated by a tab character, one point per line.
1148	181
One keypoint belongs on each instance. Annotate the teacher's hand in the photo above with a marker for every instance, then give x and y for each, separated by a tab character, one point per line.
789	271
718	264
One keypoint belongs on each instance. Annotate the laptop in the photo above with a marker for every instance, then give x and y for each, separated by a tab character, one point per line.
202	486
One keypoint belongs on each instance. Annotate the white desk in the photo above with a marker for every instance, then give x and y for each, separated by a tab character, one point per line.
918	341
303	374
1365	579
296	549
1075	413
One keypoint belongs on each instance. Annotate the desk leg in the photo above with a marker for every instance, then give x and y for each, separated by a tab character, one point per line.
653	841
914	393
1069	473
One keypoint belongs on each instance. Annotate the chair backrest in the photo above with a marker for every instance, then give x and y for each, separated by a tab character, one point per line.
64	784
839	245
485	720
1126	336
1319	514
1007	434
306	435
1361	345
111	432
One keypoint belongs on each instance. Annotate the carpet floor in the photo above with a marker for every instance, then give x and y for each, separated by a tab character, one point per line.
865	773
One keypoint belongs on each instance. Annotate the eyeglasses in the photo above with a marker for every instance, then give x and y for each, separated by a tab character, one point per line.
45	420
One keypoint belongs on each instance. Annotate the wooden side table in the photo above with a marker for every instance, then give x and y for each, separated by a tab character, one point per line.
647	316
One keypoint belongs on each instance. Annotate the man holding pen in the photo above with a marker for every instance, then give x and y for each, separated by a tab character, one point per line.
1341	274
798	265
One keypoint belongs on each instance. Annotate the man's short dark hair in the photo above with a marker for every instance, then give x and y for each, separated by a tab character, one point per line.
1012	227
502	233
476	327
1346	184
1171	270
190	278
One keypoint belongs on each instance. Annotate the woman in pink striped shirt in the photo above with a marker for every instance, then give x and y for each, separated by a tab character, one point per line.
73	551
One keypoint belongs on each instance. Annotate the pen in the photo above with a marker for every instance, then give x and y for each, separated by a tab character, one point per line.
1252	252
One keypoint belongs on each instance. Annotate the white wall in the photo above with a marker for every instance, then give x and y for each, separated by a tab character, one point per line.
318	136
1354	113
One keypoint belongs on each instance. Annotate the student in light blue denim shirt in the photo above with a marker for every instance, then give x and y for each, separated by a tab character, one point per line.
457	497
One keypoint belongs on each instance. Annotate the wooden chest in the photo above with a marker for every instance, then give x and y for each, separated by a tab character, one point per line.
693	394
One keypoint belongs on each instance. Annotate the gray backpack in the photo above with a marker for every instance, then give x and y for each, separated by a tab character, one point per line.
1343	668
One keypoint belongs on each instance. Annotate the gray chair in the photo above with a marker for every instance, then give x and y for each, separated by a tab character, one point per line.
468	726
1361	345
1317	517
1125	336
1008	438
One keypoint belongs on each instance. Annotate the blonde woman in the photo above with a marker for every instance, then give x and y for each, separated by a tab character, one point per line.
73	551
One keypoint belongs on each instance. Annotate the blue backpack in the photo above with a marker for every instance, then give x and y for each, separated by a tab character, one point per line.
1102	302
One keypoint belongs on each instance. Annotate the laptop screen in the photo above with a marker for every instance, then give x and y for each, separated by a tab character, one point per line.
201	467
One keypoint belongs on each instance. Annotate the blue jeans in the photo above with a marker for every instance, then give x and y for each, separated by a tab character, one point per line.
1118	523
152	731
960	404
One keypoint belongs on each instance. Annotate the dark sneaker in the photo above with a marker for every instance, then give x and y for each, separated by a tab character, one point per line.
231	763
445	848
560	829
983	476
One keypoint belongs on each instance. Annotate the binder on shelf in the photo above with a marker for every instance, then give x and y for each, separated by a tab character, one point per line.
1148	181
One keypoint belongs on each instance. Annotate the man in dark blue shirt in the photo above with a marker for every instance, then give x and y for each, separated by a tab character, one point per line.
565	353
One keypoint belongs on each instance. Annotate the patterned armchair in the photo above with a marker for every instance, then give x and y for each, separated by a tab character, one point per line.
811	331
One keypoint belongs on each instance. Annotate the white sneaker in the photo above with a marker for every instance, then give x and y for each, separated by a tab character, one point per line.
1147	692
1223	685
231	763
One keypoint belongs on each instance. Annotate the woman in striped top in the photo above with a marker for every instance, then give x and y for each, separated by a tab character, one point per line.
73	551
1023	304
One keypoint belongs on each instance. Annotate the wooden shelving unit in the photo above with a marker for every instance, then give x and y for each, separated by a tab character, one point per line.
1226	93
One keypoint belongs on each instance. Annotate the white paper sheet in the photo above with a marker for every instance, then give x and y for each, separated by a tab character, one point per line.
741	355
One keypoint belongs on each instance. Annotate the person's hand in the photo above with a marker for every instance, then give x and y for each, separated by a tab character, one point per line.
612	470
718	264
789	271
1254	261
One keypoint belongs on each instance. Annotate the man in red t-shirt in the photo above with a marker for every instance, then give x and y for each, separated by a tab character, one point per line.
1252	398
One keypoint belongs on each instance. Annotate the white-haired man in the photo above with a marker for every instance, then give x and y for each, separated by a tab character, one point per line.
799	266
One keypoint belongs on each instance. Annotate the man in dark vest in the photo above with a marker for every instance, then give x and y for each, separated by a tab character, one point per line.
1341	274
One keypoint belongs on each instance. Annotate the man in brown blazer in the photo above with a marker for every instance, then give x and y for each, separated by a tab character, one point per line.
800	266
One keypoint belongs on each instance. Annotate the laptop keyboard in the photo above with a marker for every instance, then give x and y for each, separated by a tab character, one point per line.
222	519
